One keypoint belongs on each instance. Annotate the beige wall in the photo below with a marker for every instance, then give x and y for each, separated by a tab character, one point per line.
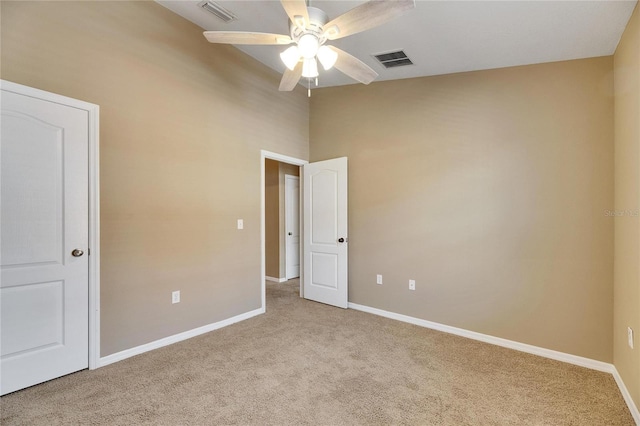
182	125
272	218
489	189
627	203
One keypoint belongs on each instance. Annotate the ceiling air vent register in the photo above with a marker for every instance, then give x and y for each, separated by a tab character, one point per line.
218	11
393	59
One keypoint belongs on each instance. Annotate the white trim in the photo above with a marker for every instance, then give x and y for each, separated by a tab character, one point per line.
94	238
128	353
263	271
522	347
282	158
301	225
275	280
93	112
627	396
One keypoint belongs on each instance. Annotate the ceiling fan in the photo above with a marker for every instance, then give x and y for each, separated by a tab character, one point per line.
310	28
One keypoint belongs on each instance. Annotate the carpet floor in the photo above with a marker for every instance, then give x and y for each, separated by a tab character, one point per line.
305	363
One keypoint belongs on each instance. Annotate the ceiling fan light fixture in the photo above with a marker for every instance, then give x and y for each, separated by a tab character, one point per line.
309	30
290	57
327	57
308	46
310	68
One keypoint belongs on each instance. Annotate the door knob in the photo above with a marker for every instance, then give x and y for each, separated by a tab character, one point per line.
341	240
77	253
290	233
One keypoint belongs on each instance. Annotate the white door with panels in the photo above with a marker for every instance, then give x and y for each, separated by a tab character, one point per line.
292	225
325	232
44	241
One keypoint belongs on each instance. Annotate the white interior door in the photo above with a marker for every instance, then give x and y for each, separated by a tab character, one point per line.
292	225
44	196
325	232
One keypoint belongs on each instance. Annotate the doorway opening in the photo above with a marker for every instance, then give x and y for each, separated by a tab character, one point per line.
281	224
282	213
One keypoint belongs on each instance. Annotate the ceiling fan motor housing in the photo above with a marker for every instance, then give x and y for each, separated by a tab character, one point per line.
317	19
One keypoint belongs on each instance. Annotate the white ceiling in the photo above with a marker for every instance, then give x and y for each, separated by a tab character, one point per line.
442	37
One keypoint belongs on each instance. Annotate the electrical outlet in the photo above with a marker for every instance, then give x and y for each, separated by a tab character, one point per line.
175	297
378	279
630	336
240	224
412	284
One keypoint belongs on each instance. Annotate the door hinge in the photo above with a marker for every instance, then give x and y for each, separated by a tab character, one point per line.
88	252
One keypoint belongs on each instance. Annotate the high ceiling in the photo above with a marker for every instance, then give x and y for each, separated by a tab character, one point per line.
442	37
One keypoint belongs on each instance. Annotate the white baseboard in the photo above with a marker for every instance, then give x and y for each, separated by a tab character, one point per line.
627	396
522	347
127	353
275	280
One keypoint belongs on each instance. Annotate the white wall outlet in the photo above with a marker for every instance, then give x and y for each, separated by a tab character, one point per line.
240	224
378	279
175	297
630	336
412	284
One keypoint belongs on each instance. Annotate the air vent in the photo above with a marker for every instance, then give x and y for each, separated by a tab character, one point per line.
393	59
218	10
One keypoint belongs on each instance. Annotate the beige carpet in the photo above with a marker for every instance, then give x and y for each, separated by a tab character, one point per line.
307	363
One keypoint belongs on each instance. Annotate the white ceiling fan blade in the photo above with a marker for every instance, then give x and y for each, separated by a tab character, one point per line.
353	67
290	78
244	37
366	16
297	12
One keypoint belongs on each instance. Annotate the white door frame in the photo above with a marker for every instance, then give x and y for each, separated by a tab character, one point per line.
286	220
283	159
93	112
